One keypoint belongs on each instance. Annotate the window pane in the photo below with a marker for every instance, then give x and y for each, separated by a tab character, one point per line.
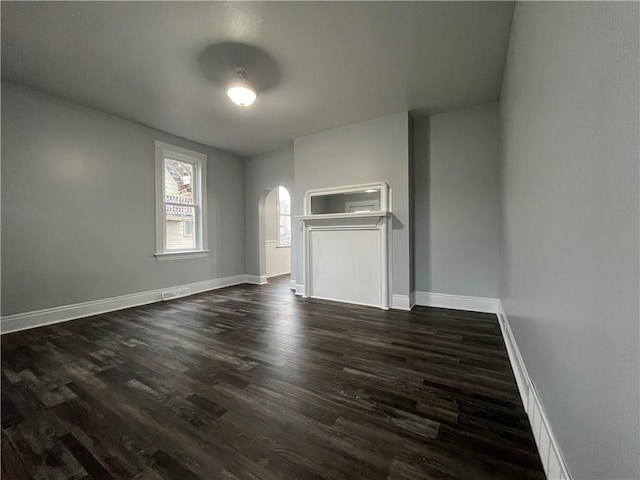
178	182
285	230
285	201
179	222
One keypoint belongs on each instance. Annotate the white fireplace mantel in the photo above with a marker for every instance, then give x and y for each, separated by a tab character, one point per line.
346	255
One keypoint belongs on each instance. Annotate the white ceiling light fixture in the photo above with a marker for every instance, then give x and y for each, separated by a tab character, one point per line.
240	91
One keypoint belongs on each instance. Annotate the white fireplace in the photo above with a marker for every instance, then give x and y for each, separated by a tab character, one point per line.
346	244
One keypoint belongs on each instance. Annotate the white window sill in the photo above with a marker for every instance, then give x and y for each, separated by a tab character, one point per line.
178	255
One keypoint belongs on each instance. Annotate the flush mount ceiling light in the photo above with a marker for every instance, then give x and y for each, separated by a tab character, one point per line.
240	91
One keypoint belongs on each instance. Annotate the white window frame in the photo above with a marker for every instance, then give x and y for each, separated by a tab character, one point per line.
199	162
278	214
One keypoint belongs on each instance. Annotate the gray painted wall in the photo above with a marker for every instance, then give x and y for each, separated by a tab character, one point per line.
420	203
78	206
457	202
412	213
372	151
261	174
569	108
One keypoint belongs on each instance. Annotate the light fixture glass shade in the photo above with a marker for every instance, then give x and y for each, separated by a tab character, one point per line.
241	93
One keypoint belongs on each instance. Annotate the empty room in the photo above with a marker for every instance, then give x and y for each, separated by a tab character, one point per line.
320	240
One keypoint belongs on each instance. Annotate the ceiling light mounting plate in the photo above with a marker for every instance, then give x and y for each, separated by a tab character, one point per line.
240	91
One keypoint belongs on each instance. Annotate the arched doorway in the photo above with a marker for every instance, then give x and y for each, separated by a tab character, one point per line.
277	232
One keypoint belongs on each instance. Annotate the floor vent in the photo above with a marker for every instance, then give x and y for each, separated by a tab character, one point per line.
172	294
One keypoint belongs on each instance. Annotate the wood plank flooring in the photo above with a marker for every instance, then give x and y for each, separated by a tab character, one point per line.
253	382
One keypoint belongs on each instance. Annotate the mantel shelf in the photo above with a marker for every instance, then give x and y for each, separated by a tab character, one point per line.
332	216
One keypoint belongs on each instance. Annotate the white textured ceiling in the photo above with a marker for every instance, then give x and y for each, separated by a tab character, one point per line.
337	63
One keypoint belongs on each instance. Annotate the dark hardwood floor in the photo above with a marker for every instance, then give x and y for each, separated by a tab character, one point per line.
253	382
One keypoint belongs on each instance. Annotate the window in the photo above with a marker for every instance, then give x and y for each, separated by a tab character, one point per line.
284	218
180	208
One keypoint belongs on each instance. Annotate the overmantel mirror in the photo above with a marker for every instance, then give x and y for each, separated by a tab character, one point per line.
350	200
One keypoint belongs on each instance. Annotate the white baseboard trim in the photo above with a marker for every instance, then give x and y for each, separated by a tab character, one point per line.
517	364
552	460
401	302
256	279
292	285
49	316
457	302
300	289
